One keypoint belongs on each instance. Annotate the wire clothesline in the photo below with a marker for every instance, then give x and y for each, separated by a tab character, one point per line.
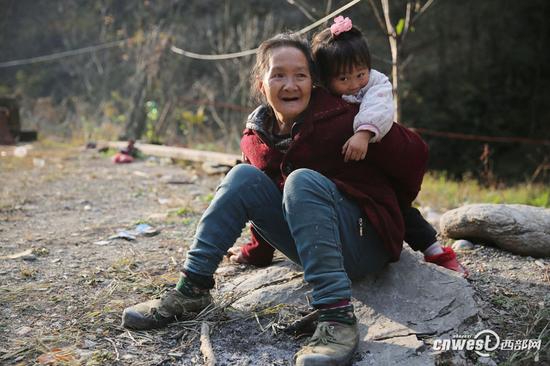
59	55
107	45
231	55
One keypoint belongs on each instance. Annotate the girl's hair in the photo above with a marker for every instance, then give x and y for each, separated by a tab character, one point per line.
264	54
335	55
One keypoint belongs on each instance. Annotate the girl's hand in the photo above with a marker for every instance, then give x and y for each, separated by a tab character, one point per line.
357	145
236	256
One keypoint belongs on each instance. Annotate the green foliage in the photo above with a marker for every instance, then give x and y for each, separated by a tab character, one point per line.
400	26
207	198
184	211
438	190
193	119
152	112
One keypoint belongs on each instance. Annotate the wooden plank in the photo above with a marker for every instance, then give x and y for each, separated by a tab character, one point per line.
179	153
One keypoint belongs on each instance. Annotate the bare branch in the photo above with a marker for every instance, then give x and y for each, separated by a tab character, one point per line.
389	26
302	9
377	15
328	7
421	11
407	21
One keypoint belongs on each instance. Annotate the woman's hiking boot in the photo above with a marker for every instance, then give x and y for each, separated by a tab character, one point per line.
332	344
172	306
335	339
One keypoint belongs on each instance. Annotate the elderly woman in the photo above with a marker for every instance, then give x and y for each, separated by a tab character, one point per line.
338	220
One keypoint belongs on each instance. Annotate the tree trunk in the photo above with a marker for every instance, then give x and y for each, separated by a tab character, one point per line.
137	116
395	78
392	38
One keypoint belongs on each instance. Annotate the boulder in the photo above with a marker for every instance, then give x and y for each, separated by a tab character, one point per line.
520	229
408	301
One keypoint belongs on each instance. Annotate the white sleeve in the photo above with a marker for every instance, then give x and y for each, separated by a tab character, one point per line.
376	109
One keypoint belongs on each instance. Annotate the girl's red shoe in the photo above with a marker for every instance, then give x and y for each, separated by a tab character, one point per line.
448	260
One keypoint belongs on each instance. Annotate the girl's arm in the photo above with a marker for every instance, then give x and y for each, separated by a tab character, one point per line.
376	110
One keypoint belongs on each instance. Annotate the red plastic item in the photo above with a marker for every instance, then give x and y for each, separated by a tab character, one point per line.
121	158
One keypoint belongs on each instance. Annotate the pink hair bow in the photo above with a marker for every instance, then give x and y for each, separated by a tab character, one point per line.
340	25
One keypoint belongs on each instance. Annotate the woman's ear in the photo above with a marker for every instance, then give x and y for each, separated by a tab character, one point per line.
261	87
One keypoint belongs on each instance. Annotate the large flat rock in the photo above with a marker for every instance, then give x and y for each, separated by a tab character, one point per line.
408	298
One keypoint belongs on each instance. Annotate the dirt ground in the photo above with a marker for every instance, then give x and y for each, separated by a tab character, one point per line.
64	283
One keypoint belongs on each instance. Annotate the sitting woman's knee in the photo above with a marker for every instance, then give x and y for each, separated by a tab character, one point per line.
301	177
242	175
301	184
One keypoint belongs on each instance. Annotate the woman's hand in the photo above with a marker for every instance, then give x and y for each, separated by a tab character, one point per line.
357	145
235	255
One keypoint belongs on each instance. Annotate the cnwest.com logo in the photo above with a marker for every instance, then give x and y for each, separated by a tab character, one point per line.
484	342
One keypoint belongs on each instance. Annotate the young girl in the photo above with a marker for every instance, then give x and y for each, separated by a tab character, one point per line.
344	63
343	59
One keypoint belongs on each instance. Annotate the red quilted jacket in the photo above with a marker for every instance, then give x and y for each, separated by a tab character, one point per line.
390	175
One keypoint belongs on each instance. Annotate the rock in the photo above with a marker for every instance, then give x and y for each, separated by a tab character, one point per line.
520	229
486	361
23	331
407	299
462	245
29	257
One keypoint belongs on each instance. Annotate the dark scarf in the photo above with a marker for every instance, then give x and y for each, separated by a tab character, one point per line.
262	120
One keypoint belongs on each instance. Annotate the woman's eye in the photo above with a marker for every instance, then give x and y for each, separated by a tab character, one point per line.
343	78
277	75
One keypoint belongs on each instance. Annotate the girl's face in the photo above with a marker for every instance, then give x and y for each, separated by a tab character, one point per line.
351	82
287	83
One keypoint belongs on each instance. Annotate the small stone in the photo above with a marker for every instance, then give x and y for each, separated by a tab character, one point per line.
39	163
540	263
29	257
164	201
102	242
486	361
462	245
89	344
23	331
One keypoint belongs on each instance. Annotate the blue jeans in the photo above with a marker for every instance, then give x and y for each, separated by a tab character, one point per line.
311	223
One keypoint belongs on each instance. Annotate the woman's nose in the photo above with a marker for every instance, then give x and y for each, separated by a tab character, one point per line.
290	84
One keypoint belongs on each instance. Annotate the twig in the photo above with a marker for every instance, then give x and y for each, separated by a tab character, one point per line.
114	345
131	337
300	323
258	321
206	346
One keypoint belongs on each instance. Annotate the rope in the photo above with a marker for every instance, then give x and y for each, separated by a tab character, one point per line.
58	55
420	130
463	136
226	56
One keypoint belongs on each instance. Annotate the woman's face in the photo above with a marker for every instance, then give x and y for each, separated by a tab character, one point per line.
287	83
